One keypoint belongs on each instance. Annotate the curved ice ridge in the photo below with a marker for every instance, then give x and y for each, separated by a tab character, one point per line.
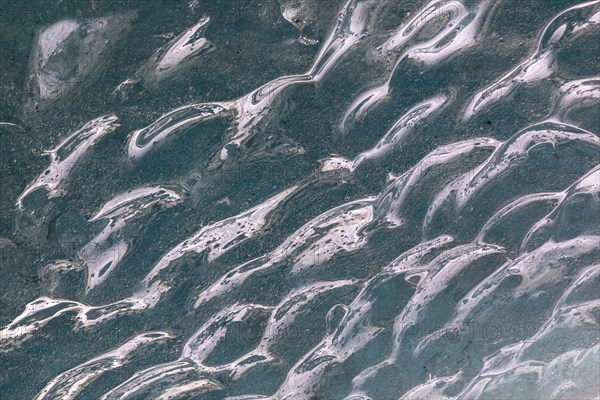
66	154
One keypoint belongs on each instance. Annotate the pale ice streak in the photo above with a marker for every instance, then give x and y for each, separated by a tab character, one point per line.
249	110
567	25
102	254
66	154
175	55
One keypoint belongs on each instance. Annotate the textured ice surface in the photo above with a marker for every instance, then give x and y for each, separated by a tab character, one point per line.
300	199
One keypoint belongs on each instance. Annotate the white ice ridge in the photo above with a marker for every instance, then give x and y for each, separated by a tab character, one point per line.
188	373
66	154
336	230
216	239
586	189
561	29
10	125
102	254
188	45
351	330
507	158
574	95
192	366
219	237
410	121
249	110
68	51
169	59
392	201
69	384
50	42
586	186
538	270
439	31
41	311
